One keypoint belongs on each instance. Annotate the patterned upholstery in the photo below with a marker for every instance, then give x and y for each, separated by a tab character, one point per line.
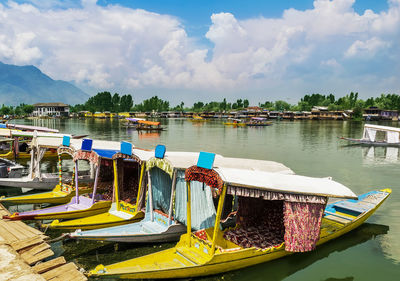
209	177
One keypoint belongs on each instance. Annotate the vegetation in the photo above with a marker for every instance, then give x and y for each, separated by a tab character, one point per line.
20	110
105	101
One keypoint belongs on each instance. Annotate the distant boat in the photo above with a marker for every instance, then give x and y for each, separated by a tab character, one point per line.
149	126
197	118
235	122
258	122
391	136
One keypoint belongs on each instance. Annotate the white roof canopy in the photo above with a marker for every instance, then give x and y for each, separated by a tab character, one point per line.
184	160
284	183
382	128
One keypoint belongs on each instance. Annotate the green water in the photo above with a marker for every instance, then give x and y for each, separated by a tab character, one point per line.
311	148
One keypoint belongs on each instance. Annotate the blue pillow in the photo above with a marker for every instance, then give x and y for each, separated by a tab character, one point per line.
206	160
159	152
66	140
126	148
87	144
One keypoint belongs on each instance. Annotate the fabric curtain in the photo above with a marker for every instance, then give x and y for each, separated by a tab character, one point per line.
369	134
39	157
392	137
270	195
302	225
202	206
161	189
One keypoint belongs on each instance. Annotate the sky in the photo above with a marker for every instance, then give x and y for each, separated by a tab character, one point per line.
208	50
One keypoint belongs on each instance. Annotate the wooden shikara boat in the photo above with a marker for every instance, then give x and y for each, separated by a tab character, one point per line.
125	169
197	118
162	222
62	192
258	122
392	136
235	122
144	125
79	206
269	207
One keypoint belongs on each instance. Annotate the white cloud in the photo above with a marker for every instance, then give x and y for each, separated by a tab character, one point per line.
367	48
113	47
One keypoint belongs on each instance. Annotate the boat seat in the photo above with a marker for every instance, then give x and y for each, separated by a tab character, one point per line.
351	206
76	207
337	219
152	227
121	214
337	215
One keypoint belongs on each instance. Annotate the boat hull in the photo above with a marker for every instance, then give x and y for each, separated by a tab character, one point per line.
68	211
106	219
184	261
56	196
371	143
131	233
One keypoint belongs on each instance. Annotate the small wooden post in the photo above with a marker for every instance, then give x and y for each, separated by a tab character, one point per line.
218	218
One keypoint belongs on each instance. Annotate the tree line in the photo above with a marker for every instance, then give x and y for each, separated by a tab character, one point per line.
19	110
104	101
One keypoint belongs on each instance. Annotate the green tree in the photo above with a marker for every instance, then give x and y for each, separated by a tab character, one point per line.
246	103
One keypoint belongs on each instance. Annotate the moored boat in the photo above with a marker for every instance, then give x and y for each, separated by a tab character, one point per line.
235	122
277	215
128	194
145	125
164	221
391	136
258	122
80	205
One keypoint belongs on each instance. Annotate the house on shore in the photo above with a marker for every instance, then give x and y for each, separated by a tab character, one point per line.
375	113
50	109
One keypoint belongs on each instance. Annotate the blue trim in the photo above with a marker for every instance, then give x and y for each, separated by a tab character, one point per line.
105	153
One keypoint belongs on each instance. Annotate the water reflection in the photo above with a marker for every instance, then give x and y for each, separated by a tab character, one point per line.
380	155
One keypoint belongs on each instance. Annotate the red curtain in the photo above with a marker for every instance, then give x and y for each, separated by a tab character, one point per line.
209	177
302	225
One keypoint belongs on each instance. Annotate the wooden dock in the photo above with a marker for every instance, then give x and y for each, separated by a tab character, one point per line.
22	251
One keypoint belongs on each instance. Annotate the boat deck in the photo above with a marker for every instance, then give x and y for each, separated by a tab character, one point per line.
22	250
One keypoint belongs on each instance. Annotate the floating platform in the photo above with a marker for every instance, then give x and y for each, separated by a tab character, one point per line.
22	251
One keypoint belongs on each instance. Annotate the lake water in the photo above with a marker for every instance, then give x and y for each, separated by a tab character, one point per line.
311	148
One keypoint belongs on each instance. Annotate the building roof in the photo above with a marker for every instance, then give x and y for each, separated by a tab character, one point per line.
50	104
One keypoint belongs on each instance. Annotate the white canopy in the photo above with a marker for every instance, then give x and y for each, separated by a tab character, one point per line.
284	183
17	133
31	128
184	160
392	133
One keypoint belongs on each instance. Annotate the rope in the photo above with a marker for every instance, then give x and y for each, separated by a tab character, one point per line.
62	237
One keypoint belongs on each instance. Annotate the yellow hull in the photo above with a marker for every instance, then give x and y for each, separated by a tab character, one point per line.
25	155
235	124
95	209
56	196
96	221
185	261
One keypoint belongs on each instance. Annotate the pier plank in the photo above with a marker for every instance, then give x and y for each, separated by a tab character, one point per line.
8	236
48	265
19	245
70	275
59	270
39	256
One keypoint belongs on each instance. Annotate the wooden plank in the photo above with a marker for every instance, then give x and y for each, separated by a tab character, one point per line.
59	270
74	275
28	228
338	219
48	265
16	231
8	236
35	250
19	245
40	256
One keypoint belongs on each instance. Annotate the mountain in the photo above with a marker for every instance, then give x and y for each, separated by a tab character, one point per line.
27	84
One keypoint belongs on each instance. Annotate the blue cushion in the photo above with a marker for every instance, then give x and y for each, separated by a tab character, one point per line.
126	148
206	160
87	144
3	126
66	140
159	152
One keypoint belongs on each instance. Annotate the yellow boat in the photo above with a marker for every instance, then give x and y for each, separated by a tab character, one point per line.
277	215
120	212
235	123
59	195
197	118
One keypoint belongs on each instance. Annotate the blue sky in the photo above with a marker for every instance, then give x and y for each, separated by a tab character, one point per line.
208	50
